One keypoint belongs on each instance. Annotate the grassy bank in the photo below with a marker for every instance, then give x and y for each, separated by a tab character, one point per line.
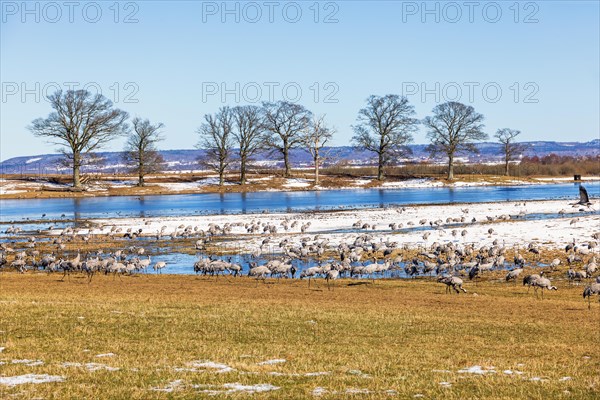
391	339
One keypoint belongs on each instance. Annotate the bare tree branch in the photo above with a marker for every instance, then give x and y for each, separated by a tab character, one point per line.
385	127
216	138
284	121
141	151
82	123
314	137
510	149
249	134
454	128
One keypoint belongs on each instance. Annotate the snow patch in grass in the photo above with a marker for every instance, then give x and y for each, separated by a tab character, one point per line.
274	361
29	363
204	365
105	355
171	386
477	369
30	378
231	388
359	373
92	367
358	391
319	391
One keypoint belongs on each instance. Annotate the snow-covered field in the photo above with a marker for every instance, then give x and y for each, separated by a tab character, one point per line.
550	224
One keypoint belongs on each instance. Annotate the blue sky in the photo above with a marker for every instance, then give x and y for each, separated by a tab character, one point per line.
534	66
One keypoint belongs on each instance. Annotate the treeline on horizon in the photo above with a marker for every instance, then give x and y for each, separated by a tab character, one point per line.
81	123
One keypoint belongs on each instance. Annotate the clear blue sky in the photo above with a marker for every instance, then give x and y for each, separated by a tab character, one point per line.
543	56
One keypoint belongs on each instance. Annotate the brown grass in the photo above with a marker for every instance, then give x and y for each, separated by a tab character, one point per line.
398	332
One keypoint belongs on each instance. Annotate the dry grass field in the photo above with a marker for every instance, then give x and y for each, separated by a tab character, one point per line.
190	337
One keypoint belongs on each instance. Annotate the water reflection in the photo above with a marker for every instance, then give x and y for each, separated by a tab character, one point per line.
182	205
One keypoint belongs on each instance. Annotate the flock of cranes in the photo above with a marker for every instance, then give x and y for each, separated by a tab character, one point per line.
313	256
364	258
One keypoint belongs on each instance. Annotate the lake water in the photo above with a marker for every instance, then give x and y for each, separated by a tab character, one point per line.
230	203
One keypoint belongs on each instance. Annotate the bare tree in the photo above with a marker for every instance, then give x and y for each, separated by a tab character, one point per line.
284	122
81	123
217	139
140	149
248	134
510	148
385	127
454	128
314	137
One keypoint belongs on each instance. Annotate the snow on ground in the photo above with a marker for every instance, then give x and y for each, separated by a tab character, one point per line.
296	183
274	361
412	183
29	378
555	232
31	160
567	179
232	388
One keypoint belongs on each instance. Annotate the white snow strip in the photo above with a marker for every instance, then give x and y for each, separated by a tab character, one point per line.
274	361
219	368
231	388
170	387
29	363
105	355
30	378
476	369
92	367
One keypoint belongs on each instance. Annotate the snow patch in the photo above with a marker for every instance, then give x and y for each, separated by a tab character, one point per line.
105	355
274	361
171	386
231	388
477	369
29	363
31	160
92	367
296	182
30	378
204	365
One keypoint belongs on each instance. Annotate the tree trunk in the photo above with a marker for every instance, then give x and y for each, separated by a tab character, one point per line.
506	172
380	168
221	177
450	167
243	170
76	165
317	169
286	161
141	175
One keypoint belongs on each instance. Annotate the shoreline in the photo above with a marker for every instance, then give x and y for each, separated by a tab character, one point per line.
14	189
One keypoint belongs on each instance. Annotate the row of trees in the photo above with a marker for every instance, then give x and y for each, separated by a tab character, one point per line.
276	127
82	122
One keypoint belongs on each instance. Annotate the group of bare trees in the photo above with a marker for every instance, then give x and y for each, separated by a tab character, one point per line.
386	124
82	122
236	134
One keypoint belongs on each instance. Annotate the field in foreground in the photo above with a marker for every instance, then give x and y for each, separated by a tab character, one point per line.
158	337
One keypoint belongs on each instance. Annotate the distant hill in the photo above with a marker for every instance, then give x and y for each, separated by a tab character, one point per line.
187	160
